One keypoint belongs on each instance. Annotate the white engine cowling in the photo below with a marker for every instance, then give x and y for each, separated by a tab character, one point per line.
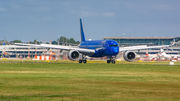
73	55
129	56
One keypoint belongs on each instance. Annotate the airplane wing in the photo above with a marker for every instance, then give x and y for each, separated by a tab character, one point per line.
121	49
68	48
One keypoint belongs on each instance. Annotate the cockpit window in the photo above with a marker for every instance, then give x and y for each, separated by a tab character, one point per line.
113	45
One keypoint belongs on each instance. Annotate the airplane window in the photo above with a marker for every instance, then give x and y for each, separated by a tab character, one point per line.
113	45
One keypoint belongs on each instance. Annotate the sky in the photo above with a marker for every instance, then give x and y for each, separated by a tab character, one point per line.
46	20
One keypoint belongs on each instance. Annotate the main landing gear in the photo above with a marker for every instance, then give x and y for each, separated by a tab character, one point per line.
83	59
112	60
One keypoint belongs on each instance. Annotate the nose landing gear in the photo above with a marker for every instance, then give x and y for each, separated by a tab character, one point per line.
112	60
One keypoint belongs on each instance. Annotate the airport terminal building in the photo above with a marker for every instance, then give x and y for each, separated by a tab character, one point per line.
150	41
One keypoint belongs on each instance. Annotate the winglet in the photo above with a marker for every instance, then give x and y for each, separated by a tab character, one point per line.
82	32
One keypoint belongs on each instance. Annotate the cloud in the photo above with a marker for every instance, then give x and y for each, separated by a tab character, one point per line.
109	14
2	9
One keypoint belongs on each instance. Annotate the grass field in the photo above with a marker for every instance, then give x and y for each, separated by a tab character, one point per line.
88	82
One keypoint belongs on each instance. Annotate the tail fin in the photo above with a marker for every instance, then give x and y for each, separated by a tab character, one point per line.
147	53
162	52
82	32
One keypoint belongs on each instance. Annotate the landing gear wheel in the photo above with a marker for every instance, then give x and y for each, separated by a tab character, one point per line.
108	61
84	61
113	61
80	61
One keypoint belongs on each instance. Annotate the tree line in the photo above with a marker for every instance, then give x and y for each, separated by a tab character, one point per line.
61	40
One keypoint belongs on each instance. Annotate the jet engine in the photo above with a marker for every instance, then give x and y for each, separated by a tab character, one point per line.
129	56
73	55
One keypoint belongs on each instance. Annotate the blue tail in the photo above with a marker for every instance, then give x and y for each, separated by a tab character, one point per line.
82	32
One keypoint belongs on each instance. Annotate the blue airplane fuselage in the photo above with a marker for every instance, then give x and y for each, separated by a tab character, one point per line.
102	47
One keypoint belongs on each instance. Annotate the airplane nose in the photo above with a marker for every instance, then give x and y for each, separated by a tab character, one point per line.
112	51
116	51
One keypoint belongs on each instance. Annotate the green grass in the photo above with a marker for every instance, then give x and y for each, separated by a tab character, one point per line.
88	82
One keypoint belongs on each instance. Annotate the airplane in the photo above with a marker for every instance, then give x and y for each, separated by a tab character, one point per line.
151	56
167	56
96	48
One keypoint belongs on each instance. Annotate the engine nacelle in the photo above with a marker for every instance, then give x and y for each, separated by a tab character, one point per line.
73	55
129	56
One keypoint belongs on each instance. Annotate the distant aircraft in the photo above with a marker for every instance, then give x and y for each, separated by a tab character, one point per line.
96	48
167	56
151	56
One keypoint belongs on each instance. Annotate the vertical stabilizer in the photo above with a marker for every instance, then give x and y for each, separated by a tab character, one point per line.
162	52
147	53
82	32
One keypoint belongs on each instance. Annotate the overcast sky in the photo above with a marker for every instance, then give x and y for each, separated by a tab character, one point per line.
49	19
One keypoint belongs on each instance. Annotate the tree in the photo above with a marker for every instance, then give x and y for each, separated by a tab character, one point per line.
77	42
63	39
16	41
54	42
35	41
71	40
31	42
